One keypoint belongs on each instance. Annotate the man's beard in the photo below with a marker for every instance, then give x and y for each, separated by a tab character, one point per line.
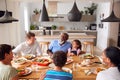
61	42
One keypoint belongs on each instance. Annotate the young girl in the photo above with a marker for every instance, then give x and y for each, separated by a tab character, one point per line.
76	48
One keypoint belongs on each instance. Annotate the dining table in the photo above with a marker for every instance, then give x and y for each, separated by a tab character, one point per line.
78	70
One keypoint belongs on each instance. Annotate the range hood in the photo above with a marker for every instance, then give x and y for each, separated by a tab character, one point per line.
7	18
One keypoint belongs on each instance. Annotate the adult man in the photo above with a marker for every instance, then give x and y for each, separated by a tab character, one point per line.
7	72
30	46
61	44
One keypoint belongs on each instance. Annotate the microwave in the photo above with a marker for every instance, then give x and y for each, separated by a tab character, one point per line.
93	26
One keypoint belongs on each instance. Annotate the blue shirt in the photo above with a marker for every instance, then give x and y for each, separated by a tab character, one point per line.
55	46
57	75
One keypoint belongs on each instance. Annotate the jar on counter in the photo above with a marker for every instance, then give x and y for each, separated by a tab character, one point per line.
44	32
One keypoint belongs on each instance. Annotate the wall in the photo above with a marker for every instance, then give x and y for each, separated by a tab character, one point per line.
102	36
114	27
62	9
108	35
10	33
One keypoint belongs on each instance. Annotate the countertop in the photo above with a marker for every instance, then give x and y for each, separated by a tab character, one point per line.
70	36
67	30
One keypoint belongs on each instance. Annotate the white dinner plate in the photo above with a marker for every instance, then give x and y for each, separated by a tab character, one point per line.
67	69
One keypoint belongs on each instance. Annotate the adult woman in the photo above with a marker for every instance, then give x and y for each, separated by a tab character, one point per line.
111	57
7	72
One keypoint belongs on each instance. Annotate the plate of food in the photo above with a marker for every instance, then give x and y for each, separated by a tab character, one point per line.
88	56
42	61
20	60
86	62
67	69
98	69
29	56
24	72
69	60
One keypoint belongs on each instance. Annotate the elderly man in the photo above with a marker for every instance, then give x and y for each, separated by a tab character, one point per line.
30	46
61	44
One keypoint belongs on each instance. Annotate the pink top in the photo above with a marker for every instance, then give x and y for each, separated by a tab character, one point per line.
75	51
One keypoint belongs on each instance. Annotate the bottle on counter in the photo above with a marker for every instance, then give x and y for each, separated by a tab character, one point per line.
49	32
44	32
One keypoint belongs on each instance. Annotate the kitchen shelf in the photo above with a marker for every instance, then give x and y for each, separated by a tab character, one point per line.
63	18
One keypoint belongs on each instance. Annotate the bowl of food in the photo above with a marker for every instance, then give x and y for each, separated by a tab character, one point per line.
88	56
29	56
42	61
24	71
20	60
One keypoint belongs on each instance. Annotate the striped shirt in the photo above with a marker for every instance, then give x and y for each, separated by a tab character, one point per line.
57	75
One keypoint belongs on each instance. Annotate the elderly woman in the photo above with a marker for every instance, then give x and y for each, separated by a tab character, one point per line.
111	57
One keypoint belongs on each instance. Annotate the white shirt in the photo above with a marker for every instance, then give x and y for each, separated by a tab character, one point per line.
7	72
24	48
111	73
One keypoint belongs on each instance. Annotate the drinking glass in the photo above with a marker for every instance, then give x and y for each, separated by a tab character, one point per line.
74	66
34	67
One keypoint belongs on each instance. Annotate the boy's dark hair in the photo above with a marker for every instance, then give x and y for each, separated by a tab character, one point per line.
113	53
4	48
29	35
59	58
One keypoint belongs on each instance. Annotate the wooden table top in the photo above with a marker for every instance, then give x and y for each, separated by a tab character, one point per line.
78	74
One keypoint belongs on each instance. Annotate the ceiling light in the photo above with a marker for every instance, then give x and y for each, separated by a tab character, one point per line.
44	14
7	18
112	17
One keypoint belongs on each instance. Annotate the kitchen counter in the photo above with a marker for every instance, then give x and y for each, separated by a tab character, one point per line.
57	32
74	31
82	35
71	37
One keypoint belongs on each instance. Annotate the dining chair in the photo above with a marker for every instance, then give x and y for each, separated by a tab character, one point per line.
89	44
44	46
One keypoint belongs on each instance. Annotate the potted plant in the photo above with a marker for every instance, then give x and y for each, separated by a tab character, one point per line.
54	27
91	9
36	11
36	15
32	27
